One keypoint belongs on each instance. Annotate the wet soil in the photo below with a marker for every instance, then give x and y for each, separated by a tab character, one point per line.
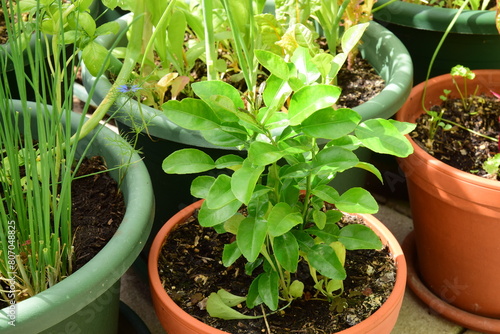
191	269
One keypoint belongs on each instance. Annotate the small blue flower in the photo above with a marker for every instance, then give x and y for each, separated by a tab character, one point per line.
128	88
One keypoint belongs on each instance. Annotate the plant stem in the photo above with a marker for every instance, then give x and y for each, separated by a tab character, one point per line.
132	55
210	52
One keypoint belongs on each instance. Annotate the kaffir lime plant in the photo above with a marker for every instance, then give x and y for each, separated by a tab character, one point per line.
296	143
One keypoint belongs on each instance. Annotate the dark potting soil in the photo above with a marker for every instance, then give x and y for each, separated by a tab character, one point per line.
458	147
190	269
359	84
98	209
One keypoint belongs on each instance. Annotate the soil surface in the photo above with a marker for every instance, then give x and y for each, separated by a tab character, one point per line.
359	84
456	146
98	209
190	268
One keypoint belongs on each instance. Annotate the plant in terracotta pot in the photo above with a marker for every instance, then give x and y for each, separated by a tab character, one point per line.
474	40
282	184
453	187
43	286
162	136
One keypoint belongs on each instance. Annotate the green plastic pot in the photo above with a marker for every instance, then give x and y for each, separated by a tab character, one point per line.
473	42
382	49
88	300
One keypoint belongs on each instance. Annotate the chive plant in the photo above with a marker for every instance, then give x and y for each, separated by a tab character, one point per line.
38	155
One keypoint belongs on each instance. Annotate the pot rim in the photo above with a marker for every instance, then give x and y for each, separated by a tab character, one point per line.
481	22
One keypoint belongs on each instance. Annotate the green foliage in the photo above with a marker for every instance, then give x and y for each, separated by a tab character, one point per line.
38	156
281	227
492	165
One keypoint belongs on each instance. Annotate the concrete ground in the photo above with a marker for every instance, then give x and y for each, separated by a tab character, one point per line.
414	318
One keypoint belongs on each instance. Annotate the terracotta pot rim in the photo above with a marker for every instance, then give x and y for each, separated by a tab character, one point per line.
394	300
469	320
426	158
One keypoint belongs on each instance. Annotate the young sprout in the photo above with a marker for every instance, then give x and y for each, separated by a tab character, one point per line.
466	74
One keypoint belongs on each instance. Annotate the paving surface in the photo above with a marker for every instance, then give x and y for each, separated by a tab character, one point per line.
414	318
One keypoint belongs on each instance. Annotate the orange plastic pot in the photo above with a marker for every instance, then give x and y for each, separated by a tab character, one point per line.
176	321
456	217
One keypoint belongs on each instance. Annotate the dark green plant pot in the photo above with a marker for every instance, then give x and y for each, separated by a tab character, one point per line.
88	300
382	49
473	42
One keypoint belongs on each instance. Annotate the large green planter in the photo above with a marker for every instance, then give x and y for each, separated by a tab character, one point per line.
88	300
473	42
382	49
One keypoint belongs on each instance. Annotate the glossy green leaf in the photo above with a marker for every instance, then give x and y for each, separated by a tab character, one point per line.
191	114
224	137
357	200
357	236
323	62
201	185
351	36
87	23
370	168
286	250
331	124
270	31
209	217
175	32
230	254
206	89
324	259
230	299
253	298
218	309
231	225
244	180
326	193
319	218
306	242
273	63
299	170
307	71
262	154
336	159
282	219
250	238
276	92
403	127
94	56
333	216
220	193
187	161
108	28
269	289
231	161
296	289
328	234
382	136
310	99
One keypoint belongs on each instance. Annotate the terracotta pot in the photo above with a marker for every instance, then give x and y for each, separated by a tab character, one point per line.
466	319
456	215
177	321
